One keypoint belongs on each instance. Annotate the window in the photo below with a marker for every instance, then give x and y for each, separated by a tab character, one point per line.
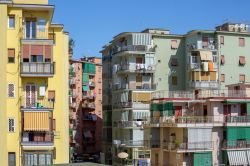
99	91
51	95
194	59
12	159
215	59
11	90
221	39
99	69
36	58
174	61
41	25
11	21
174	44
222	77
241	42
242	77
242	61
204	42
174	80
11	126
222	59
54	124
11	55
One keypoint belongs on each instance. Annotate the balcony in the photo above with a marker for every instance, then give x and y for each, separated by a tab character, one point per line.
132	86
33	69
128	124
87	105
72	82
132	143
187	147
31	34
173	95
133	49
199	45
204	84
88	96
235	144
185	121
235	94
134	105
37	139
92	84
237	120
136	68
90	117
35	104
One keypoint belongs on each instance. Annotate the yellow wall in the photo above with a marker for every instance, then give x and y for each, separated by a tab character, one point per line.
3	92
31	1
10	73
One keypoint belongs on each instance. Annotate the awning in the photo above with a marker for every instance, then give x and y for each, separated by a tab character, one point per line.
206	55
237	157
87	134
142	96
141	114
36	121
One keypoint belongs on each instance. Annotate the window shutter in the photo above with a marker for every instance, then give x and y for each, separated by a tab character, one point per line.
11	52
174	44
222	57
51	95
242	77
26	51
241	42
242	60
11	127
11	90
221	39
54	124
37	50
48	52
222	77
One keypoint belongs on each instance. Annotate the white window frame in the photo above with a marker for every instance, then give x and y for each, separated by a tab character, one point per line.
191	60
41	28
14	91
14	125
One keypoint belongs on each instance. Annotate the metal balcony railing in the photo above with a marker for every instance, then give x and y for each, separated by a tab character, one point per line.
173	94
132	67
224	93
128	124
36	103
235	144
37	68
189	146
138	48
30	139
36	33
237	119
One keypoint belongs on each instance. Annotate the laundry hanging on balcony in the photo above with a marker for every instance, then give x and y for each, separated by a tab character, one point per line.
36	121
204	66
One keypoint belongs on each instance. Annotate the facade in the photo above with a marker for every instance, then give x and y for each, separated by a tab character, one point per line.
86	107
34	107
209	127
155	60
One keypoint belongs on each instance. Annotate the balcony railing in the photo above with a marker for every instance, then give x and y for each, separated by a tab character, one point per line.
36	33
133	143
200	46
190	146
173	94
204	84
37	69
128	124
236	144
131	86
132	67
36	103
137	48
42	139
224	93
135	105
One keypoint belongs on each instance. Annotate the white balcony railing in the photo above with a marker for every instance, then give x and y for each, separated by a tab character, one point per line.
172	94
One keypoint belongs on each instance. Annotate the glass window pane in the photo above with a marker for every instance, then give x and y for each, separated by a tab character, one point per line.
11	22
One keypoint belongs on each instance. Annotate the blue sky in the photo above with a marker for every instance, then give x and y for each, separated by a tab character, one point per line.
93	23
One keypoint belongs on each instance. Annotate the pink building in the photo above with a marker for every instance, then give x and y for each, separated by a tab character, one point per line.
86	107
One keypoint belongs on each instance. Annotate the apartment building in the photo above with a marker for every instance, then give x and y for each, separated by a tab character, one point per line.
34	79
209	127
86	107
166	62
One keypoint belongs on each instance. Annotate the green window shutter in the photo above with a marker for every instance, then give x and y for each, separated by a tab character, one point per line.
85	78
231	133
247	130
248	109
85	88
241	133
168	109
204	159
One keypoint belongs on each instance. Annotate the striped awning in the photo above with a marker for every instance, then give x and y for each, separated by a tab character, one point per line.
36	121
238	157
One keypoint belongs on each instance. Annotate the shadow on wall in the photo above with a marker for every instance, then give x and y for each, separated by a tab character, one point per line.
177	72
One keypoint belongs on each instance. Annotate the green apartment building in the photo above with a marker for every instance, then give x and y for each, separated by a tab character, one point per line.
154	60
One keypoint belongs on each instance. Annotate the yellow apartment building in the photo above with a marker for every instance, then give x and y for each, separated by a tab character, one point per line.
34	85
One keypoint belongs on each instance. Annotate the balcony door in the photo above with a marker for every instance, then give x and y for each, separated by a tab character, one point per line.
30	29
30	92
178	111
